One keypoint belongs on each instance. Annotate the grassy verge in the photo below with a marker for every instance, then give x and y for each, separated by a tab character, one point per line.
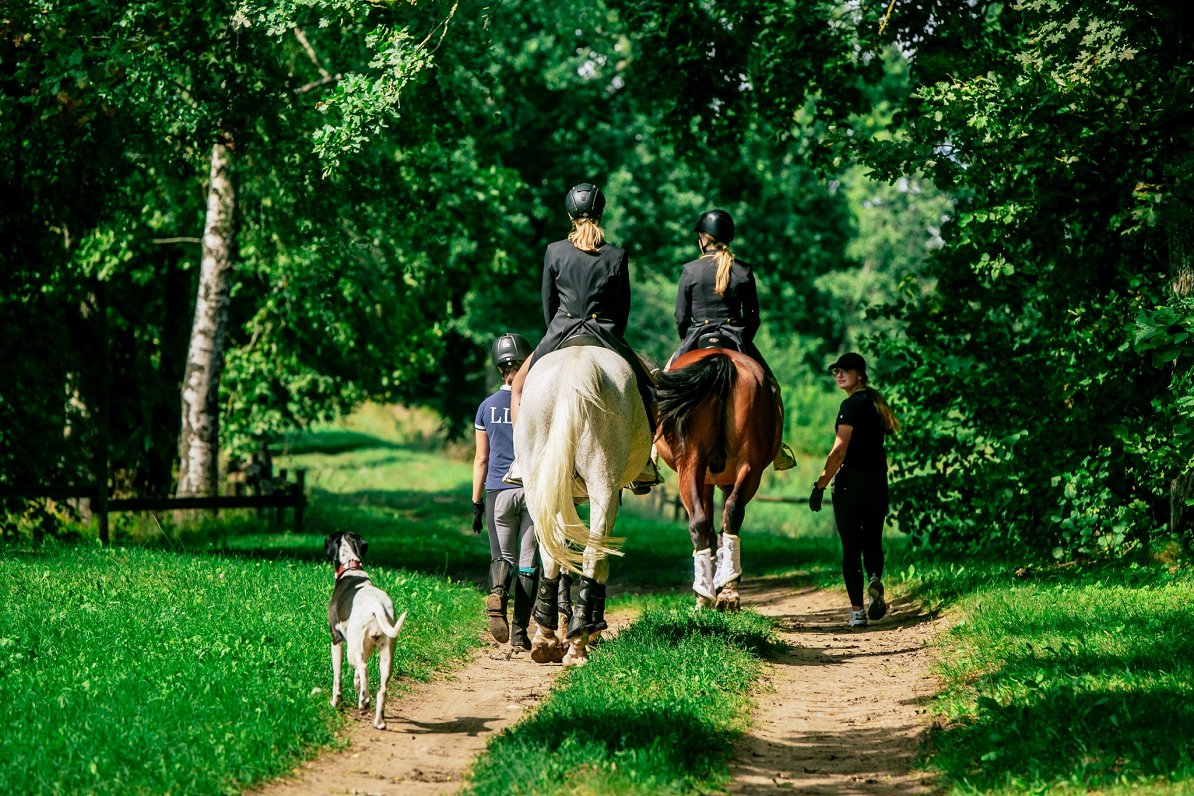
1066	680
140	671
656	711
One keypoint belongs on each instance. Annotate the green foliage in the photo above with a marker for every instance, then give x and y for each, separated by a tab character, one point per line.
1065	681
134	671
656	710
1031	422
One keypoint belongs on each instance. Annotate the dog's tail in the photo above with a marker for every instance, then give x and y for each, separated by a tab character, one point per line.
380	615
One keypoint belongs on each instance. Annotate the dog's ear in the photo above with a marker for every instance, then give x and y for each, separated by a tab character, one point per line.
360	545
330	547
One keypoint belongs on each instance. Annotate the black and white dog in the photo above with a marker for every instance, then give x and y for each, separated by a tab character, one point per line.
363	616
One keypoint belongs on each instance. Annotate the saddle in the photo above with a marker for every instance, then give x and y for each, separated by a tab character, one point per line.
716	340
582	339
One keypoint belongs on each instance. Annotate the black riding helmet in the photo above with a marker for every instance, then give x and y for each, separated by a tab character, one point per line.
584	201
717	223
510	349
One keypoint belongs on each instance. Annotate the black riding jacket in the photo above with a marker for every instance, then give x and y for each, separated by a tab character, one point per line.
589	293
583	289
700	310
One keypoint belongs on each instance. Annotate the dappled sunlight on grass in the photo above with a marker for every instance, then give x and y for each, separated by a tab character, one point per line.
1069	681
656	712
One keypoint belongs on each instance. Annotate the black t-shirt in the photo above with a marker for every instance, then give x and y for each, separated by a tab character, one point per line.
865	453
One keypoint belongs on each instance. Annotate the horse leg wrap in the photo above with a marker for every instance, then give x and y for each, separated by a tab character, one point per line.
599	608
702	577
729	560
547	603
566	595
586	602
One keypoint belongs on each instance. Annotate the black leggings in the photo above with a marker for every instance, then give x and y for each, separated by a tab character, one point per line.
859	509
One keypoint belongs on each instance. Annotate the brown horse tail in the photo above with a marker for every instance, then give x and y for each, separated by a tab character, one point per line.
679	392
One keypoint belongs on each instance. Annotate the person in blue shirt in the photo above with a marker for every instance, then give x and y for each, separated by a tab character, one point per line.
501	507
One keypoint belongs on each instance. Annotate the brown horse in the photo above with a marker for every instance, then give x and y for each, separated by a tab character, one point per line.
720	424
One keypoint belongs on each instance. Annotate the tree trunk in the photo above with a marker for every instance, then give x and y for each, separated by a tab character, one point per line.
199	440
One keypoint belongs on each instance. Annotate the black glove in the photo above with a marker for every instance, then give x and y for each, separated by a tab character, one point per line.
814	500
478	515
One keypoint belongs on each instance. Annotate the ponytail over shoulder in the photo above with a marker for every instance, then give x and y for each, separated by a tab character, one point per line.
891	423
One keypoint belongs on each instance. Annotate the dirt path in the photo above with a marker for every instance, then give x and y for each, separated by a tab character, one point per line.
841	711
433	733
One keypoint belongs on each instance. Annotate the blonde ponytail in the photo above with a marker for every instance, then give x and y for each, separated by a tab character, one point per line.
724	259
586	235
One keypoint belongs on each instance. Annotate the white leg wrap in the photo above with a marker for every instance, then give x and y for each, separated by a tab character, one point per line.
702	579
729	560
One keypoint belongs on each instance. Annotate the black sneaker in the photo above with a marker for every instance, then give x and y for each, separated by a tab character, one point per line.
878	606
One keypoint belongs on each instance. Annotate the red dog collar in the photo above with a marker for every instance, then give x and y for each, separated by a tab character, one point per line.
346	566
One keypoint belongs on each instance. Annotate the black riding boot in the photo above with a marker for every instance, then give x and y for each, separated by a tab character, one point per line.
566	597
499	595
586	602
524	599
547	603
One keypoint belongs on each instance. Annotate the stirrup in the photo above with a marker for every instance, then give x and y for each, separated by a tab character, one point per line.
649	477
784	458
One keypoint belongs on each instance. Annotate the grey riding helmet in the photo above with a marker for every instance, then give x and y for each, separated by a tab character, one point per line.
716	223
584	201
510	349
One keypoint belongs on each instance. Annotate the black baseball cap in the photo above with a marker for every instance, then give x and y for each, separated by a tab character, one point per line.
849	361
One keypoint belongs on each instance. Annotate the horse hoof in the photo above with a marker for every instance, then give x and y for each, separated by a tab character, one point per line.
729	602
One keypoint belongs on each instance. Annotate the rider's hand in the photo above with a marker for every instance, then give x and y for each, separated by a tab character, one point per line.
478	515
814	500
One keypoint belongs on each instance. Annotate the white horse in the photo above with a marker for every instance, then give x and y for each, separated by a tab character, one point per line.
582	425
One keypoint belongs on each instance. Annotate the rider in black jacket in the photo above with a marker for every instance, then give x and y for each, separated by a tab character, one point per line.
717	303
586	292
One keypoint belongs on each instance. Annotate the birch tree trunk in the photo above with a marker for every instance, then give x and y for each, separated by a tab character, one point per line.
199	440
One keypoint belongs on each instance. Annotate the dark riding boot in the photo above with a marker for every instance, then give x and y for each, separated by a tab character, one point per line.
547	602
566	597
524	599
586	601
499	595
599	608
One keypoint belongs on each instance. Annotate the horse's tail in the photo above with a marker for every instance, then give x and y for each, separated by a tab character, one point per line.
679	392
558	527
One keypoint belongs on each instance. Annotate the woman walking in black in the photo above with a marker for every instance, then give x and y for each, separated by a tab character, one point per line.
857	465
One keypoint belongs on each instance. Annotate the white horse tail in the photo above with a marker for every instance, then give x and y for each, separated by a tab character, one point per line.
558	527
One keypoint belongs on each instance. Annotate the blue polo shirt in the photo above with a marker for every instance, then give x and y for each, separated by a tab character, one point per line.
493	417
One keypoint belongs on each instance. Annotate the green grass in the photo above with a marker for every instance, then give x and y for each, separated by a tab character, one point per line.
655	711
189	662
141	671
1072	679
